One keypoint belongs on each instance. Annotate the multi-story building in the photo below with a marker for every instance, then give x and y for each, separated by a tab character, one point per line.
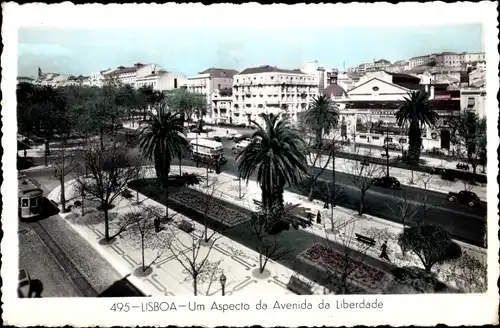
420	60
381	64
205	82
471	57
472	98
321	73
128	75
269	89
159	79
398	66
365	67
378	97
448	59
222	109
98	79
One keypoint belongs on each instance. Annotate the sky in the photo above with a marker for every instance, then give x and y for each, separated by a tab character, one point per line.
188	51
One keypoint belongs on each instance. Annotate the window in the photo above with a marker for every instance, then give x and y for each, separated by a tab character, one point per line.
33	202
24	202
471	102
175	83
375	138
362	137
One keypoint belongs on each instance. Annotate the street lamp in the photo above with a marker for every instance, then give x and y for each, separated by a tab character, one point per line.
223	283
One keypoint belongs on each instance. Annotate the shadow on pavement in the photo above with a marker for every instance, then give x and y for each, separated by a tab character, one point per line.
122	288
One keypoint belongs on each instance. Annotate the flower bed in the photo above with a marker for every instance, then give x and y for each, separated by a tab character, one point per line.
361	273
216	211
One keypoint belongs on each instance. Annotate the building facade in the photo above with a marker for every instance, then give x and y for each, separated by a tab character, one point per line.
269	89
25	79
222	107
376	100
160	79
419	61
472	98
471	57
207	81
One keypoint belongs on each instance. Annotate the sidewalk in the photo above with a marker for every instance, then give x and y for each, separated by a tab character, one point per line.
346	222
169	277
237	262
421	180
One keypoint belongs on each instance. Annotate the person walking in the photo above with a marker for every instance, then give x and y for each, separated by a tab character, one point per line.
310	217
157	224
318	218
383	254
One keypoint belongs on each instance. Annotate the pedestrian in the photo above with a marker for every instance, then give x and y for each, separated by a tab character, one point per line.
318	218
157	224
325	205
25	153
310	217
383	254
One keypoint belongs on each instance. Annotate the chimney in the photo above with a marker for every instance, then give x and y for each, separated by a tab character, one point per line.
432	92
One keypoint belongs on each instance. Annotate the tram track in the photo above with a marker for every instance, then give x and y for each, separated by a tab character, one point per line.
76	277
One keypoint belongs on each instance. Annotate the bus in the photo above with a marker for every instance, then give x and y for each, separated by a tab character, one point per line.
207	151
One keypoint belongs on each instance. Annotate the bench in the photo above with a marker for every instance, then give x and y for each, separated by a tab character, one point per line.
298	287
257	202
366	240
185	226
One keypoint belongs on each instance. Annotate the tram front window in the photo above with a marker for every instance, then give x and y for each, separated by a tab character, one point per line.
24	202
33	202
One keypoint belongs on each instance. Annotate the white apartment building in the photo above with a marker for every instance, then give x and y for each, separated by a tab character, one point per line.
471	57
321	73
97	79
207	81
365	67
128	75
398	66
420	60
159	79
222	109
472	98
269	89
448	59
381	64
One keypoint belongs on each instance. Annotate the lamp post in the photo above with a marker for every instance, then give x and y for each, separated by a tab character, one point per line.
387	148
223	280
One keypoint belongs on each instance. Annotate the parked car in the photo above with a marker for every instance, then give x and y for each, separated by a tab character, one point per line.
436	150
216	138
462	166
392	146
240	146
383	154
235	136
24	284
447	175
241	125
464	197
387	182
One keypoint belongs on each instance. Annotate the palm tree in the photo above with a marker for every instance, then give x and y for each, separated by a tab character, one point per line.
162	140
322	117
416	111
278	155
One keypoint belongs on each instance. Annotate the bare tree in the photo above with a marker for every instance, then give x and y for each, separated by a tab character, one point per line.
425	179
469	273
192	255
64	163
269	246
404	208
109	171
317	161
335	195
141	230
208	195
362	173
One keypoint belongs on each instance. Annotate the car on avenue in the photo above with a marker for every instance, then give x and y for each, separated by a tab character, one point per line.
24	284
387	182
392	146
240	146
464	197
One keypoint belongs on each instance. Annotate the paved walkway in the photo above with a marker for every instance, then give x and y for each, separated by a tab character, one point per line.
235	260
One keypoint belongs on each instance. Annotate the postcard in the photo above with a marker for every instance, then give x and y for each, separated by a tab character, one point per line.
291	165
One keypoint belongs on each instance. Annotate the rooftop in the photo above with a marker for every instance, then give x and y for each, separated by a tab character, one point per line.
335	90
220	72
270	69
